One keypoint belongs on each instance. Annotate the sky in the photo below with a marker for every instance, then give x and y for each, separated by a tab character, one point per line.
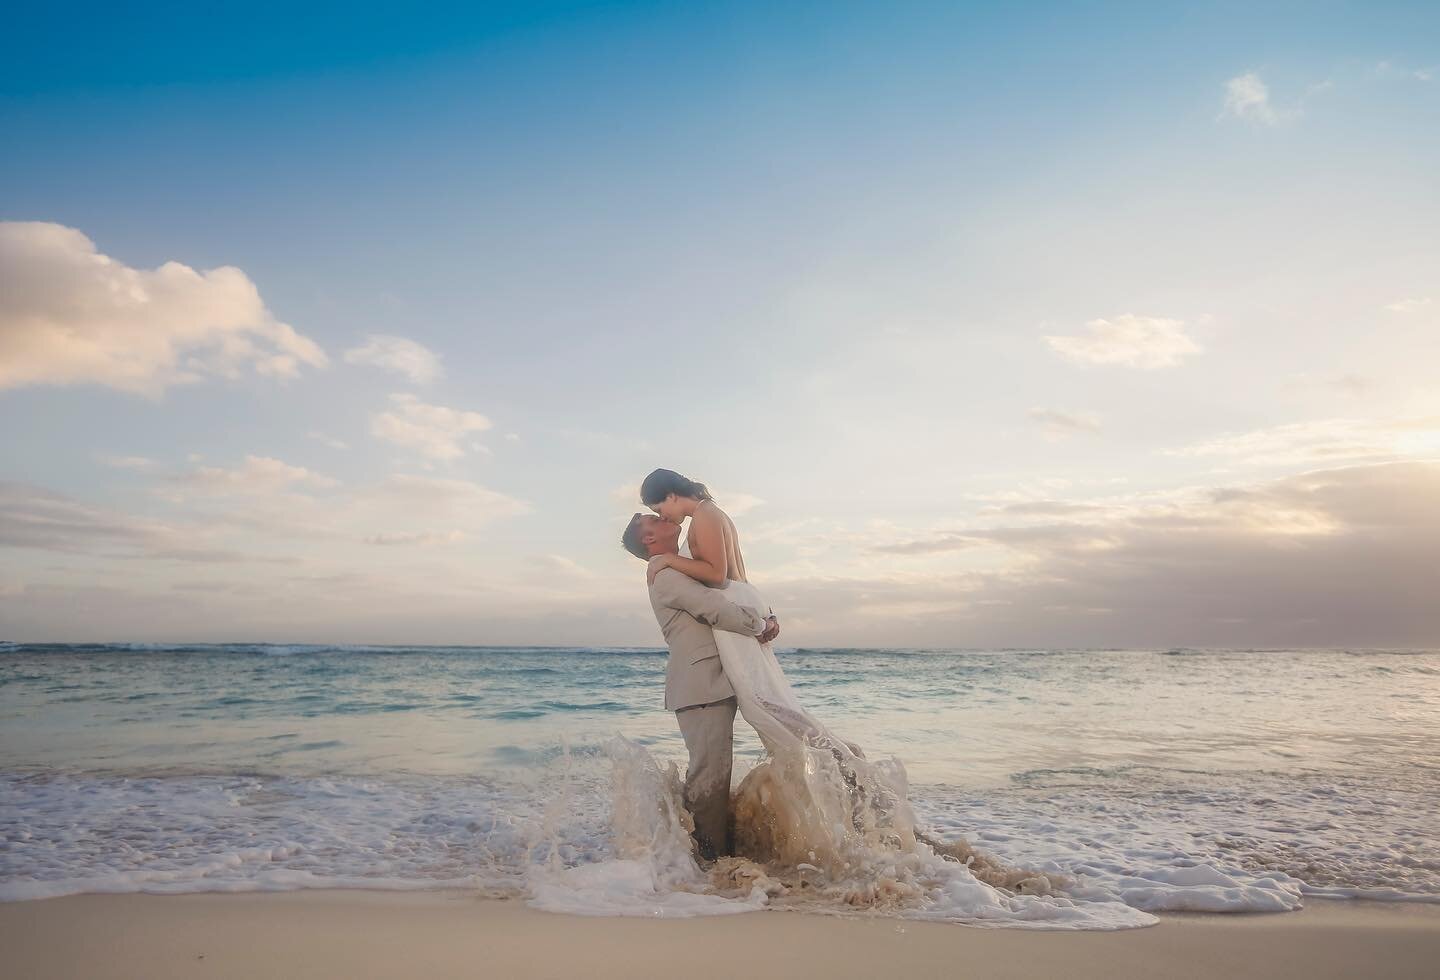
991	325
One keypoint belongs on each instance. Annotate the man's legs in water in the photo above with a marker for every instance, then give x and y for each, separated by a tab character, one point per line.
709	731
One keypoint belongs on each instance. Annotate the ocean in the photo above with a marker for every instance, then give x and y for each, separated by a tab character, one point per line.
1142	780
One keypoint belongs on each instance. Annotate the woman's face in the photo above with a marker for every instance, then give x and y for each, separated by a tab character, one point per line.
669	509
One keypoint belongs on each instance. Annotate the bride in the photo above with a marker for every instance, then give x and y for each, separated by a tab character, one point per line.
816	799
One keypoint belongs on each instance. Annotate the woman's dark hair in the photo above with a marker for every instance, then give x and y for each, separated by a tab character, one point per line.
662	483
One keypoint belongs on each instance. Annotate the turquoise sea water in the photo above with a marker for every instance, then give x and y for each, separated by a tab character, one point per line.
1169	779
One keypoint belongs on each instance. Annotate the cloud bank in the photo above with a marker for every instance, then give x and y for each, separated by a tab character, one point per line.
1324	558
72	315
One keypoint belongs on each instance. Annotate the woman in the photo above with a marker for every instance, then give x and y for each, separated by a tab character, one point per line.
816	798
713	542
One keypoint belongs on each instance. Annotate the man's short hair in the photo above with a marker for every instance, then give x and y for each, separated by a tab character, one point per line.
631	538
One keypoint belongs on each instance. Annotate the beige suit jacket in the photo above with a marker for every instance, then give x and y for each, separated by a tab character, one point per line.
689	613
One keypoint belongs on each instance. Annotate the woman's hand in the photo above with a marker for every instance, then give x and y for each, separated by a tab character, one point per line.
656	563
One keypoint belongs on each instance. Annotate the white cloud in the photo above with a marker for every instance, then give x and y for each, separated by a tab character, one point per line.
257	475
398	354
1389	69
1046	508
1247	97
431	430
1324	441
737	504
1058	424
1133	341
569	567
261	510
1350	383
424	511
400	509
126	462
421	538
1412	305
435	498
35	517
327	440
70	315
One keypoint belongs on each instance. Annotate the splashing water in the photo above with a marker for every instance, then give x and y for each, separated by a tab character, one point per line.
652	871
811	835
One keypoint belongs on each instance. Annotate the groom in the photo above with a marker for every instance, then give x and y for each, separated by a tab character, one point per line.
696	688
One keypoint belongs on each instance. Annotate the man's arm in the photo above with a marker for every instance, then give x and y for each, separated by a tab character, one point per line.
679	591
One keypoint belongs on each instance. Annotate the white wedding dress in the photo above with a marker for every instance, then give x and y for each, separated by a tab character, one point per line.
815	799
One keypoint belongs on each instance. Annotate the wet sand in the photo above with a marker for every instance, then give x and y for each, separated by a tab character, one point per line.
359	934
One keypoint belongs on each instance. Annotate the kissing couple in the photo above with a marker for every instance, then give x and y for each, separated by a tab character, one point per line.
816	796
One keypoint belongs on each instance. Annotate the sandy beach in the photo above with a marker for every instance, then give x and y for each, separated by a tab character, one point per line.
451	934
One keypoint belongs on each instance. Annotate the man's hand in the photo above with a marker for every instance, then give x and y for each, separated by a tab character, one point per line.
656	563
772	630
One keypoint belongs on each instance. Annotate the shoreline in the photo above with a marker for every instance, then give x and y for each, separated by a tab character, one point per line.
362	933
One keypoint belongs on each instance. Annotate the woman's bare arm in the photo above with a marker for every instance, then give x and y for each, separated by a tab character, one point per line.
707	538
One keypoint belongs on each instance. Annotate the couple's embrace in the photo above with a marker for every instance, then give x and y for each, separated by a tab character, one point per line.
815	797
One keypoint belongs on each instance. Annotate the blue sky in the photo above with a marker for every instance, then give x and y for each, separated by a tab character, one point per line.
991	324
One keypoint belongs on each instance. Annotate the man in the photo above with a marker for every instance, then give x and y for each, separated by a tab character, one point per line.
696	688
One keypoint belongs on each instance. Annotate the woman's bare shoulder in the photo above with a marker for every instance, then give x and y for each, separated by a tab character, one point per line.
709	511
707	524
710	515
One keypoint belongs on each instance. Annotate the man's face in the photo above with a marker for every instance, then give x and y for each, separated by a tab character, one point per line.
659	537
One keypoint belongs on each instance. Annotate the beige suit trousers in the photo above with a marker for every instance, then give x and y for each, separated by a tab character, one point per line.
709	731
